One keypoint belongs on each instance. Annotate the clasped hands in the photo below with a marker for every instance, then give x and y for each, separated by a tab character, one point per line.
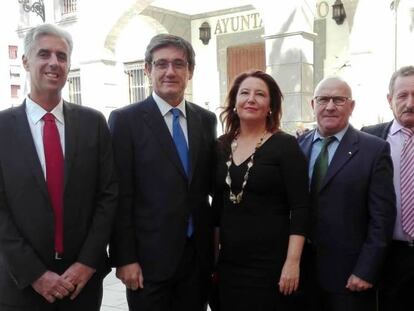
53	286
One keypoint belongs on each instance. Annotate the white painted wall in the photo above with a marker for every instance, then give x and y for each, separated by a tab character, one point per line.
206	82
367	49
8	18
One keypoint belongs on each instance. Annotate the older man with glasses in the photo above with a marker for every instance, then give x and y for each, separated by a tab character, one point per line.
352	205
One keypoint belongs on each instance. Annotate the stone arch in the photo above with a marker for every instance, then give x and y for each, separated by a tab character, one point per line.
130	44
162	21
135	9
174	23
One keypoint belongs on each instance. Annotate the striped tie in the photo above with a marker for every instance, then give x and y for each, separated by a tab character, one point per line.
407	182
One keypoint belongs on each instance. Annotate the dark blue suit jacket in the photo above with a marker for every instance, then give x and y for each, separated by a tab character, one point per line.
354	219
381	130
156	196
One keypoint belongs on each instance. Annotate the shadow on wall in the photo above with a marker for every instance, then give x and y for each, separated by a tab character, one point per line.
276	57
291	68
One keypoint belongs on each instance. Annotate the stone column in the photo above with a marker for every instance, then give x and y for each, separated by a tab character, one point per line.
289	42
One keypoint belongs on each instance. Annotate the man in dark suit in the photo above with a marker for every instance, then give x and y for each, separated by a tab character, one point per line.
397	286
162	241
352	204
57	189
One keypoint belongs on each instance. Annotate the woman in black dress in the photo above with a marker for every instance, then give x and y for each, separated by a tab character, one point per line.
261	198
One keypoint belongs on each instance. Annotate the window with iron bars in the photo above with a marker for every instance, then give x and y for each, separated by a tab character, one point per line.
138	83
69	6
14	90
74	83
12	51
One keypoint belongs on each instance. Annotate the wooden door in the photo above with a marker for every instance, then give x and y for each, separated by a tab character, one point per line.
245	57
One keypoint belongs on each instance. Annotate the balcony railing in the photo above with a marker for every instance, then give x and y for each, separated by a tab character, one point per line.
69	7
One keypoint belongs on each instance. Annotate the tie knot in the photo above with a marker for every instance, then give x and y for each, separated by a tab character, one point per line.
408	133
326	141
175	112
48	117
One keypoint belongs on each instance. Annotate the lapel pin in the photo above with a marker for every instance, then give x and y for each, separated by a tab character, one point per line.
349	153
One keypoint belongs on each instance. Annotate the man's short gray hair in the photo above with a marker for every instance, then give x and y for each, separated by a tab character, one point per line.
43	30
402	72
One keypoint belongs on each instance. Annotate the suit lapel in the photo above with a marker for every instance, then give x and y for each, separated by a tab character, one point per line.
306	143
347	149
71	137
386	130
25	141
194	136
156	123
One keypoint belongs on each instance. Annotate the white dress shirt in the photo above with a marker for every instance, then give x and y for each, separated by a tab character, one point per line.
165	109
317	143
35	114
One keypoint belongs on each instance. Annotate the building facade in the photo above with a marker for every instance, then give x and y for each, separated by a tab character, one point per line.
297	42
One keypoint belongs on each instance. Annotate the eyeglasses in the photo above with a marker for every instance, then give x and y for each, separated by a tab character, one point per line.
337	100
162	64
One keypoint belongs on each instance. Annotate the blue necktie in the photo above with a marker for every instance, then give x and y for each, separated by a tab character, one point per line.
181	145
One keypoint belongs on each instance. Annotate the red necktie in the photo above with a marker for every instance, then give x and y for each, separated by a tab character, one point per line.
54	174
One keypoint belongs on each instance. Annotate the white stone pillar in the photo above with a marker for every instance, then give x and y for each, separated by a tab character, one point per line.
371	62
289	41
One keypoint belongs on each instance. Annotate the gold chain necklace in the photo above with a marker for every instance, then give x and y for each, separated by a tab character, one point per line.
236	198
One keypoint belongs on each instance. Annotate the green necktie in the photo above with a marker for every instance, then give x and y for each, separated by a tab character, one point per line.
321	165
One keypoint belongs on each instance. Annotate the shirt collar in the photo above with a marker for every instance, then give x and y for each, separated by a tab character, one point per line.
36	112
166	107
317	136
395	127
